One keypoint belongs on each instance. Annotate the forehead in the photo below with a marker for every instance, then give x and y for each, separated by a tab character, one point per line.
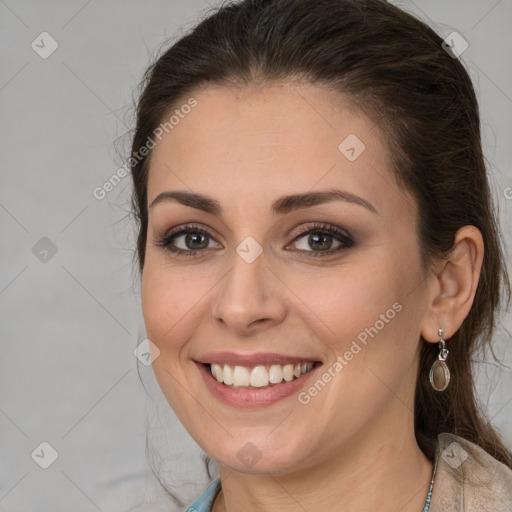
264	141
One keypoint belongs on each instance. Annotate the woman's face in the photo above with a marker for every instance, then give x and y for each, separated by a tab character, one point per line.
269	277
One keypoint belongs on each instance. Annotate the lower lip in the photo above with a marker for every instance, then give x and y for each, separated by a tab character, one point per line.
253	397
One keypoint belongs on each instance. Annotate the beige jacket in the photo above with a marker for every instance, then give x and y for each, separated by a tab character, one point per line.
468	479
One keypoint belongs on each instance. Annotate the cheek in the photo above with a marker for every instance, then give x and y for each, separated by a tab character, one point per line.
345	301
365	314
168	299
174	299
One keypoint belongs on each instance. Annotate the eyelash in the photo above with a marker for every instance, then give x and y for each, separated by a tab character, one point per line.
317	228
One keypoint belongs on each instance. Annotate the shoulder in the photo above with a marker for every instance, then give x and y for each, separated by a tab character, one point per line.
204	502
468	479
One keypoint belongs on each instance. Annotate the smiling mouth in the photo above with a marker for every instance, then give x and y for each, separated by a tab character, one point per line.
260	376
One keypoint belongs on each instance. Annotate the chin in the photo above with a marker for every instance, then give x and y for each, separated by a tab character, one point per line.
251	459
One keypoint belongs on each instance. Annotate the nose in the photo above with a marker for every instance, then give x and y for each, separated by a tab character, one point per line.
250	297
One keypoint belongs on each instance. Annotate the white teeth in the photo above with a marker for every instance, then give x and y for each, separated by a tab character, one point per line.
241	376
217	372
228	375
288	372
275	374
258	376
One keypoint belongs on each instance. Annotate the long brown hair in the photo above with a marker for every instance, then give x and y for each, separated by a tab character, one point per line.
394	69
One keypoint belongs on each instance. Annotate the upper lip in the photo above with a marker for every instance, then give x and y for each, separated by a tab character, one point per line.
263	358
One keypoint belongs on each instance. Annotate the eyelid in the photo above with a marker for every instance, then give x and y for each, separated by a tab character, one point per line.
320	226
165	239
344	238
342	235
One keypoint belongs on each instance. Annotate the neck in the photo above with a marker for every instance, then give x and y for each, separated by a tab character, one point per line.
384	473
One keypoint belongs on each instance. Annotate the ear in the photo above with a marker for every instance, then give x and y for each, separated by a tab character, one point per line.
453	286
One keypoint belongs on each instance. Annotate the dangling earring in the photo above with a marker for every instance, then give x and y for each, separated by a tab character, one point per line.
439	373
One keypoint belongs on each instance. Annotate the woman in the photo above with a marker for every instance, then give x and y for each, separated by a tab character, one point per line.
320	260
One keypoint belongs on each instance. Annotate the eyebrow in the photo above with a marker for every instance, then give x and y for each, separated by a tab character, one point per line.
282	205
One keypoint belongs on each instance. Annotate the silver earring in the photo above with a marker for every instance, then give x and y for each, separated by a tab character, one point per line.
439	373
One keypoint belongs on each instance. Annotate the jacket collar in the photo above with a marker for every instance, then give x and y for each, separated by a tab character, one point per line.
468	479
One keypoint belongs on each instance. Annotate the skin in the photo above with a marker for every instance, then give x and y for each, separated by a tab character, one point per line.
246	148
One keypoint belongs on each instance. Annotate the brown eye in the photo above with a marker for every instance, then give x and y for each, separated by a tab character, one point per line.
319	241
193	240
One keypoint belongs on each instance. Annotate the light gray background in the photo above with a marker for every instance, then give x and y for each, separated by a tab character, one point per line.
69	325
